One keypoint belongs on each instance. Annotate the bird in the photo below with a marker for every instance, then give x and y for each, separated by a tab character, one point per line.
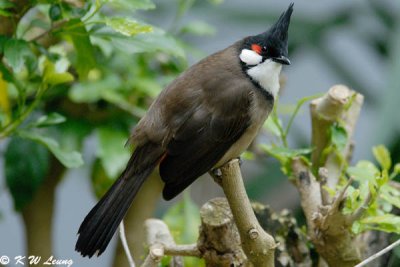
207	116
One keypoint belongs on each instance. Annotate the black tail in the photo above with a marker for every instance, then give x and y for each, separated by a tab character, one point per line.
100	224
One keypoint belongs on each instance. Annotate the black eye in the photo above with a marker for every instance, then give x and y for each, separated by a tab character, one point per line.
264	48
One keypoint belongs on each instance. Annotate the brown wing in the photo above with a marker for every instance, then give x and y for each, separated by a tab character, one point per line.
197	118
203	140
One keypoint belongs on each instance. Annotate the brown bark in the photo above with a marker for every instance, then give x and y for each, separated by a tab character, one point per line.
258	245
38	214
219	239
328	228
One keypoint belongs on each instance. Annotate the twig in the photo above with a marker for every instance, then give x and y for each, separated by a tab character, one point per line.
339	105
190	250
161	243
378	254
156	252
55	26
340	196
125	244
258	246
361	210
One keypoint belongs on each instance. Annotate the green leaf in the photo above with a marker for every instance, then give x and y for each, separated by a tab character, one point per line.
183	220
391	195
283	153
382	155
18	53
4	4
112	151
90	92
198	28
55	12
154	41
85	60
388	223
396	168
271	126
285	156
70	159
49	120
338	137
364	171
26	166
3	40
127	27
5	13
248	155
51	77
73	133
352	201
299	104
132	4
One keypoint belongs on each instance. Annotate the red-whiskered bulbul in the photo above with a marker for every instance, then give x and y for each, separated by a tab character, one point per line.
207	116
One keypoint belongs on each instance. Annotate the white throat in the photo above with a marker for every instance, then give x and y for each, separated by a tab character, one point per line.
265	73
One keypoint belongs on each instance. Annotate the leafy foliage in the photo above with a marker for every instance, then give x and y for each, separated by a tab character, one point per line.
183	221
72	70
374	183
84	64
25	172
372	189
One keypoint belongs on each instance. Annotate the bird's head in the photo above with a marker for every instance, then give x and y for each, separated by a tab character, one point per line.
271	45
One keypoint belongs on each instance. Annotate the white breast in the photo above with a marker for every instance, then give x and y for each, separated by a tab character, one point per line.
267	75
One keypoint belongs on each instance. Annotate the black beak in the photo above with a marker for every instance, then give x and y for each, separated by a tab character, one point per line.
282	59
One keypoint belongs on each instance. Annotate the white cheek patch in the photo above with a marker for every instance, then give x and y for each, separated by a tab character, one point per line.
250	57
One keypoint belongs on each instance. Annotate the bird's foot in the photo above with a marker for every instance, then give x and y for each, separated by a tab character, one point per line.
216	174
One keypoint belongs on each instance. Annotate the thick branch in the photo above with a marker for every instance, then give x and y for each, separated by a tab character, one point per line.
310	193
38	214
219	240
257	244
339	105
329	229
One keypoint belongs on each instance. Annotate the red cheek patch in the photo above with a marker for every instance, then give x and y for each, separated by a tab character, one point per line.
256	48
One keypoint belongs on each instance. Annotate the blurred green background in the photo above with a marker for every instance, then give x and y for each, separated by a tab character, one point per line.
94	81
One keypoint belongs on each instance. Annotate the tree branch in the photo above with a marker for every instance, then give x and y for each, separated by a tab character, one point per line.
219	240
124	242
339	105
378	254
161	243
258	246
329	228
